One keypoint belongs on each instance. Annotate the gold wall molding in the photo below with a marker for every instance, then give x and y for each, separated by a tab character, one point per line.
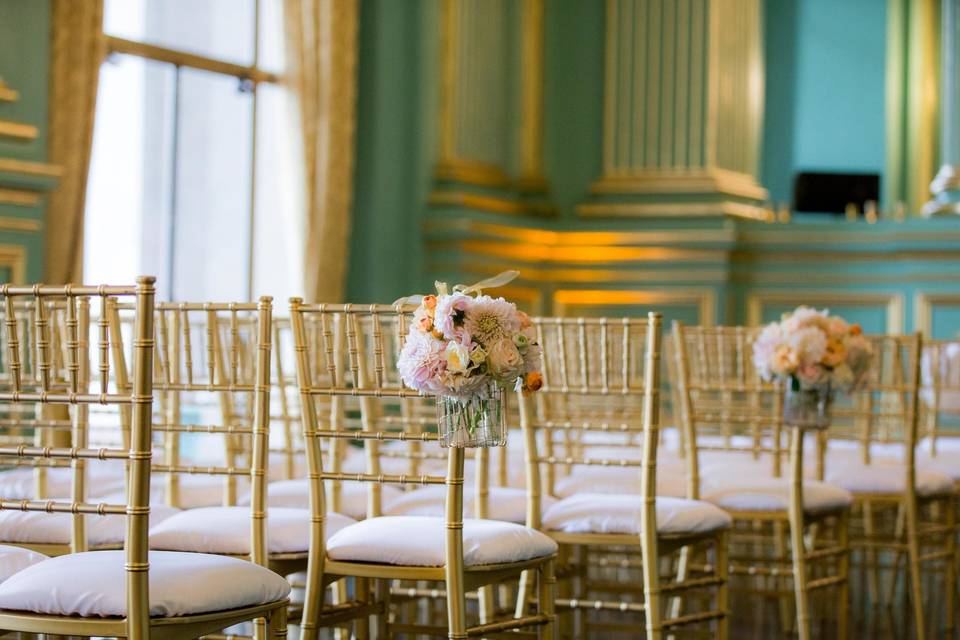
531	98
19	197
673	210
14	257
28	168
532	235
583	276
923	308
18	131
681	181
568	301
7	94
892	303
472	172
492	204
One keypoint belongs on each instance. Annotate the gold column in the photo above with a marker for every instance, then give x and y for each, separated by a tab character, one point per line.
683	107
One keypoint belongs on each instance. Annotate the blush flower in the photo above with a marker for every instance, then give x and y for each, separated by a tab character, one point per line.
490	320
421	361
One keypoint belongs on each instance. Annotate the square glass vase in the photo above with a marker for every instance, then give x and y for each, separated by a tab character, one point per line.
473	423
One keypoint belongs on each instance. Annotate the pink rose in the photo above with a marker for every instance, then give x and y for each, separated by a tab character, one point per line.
504	361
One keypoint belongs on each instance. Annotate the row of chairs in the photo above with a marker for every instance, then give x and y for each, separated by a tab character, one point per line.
333	478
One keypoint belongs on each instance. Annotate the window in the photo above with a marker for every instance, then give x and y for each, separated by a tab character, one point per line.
194	159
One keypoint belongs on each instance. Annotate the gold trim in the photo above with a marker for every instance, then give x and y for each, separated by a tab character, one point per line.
19	197
704	299
15	258
449	17
923	304
7	94
678	210
584	276
531	129
471	172
26	167
487	203
18	131
9	223
603	255
575	238
682	181
181	58
892	301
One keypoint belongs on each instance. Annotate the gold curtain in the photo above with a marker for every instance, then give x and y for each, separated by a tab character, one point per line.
76	51
322	70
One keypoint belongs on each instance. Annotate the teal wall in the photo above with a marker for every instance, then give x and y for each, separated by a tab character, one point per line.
24	64
825	94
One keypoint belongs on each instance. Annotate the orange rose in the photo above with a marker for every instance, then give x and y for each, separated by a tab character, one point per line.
855	330
533	381
836	353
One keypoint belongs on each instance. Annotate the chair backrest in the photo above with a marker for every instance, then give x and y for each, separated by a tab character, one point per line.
363	367
724	405
46	389
940	391
211	393
599	404
885	409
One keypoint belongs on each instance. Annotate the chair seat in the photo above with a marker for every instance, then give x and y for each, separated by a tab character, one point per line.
505	503
101	479
419	541
766	494
620	513
93	584
296	494
14	559
595	479
885	477
38	527
227	530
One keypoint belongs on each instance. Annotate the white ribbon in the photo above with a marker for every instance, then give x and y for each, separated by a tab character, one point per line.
489	283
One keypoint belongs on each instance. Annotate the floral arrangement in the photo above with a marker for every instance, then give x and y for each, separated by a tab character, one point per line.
813	348
463	343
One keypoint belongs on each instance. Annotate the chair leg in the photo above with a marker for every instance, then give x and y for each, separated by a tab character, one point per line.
676	605
721	559
312	606
361	627
277	624
547	592
870	554
950	565
383	619
843	570
486	603
523	594
913	558
780	543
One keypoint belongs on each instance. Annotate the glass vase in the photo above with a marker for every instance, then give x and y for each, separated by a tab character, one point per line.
807	408
478	422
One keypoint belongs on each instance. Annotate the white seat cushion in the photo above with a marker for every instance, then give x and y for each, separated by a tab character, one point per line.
505	503
227	530
594	479
180	584
620	513
38	527
420	541
772	494
14	559
102	478
353	496
885	477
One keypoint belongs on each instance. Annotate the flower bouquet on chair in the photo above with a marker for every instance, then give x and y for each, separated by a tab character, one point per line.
466	348
815	354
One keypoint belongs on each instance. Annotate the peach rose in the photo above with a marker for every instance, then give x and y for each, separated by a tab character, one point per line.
533	381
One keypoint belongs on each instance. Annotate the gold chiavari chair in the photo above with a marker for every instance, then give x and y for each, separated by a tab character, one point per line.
601	376
464	555
901	508
733	443
131	593
940	408
60	329
276	536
